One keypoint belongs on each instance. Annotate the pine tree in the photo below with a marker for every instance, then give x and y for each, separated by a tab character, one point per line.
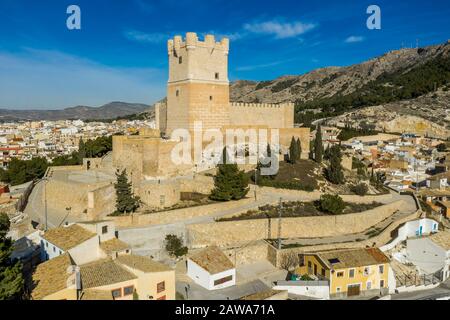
126	201
11	279
318	146
229	183
334	170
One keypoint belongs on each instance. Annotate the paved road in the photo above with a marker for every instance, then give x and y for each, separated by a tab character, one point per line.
439	292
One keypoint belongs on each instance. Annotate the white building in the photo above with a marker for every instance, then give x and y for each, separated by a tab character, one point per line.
431	255
85	242
211	269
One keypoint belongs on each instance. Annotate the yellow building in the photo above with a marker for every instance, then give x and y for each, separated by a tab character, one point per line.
350	272
126	277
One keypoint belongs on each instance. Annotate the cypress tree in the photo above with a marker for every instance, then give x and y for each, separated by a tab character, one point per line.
126	202
318	146
293	151
81	150
299	149
334	170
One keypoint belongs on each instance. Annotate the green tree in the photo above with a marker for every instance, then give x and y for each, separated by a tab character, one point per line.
299	149
332	203
318	146
21	171
11	278
293	151
81	151
174	246
229	183
126	201
334	171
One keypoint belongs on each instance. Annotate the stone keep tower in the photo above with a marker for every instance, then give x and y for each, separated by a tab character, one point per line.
198	86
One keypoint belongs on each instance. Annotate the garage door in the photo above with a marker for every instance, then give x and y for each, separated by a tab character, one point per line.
353	290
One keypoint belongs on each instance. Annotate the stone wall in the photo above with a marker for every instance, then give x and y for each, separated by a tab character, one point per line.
101	202
262	114
235	232
274	256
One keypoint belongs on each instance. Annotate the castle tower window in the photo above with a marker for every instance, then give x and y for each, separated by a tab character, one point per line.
210	98
180	60
177	93
217	76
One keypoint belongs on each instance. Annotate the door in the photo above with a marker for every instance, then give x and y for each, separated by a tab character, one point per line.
315	269
353	290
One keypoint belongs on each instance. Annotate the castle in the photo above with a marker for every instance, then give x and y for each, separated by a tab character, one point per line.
198	91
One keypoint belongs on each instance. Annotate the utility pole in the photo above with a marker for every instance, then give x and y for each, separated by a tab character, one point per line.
279	224
45	204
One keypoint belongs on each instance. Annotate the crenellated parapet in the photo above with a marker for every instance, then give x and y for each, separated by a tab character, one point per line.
262	105
191	41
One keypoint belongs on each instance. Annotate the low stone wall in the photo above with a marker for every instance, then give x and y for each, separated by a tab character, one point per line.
274	255
234	232
171	216
315	195
248	254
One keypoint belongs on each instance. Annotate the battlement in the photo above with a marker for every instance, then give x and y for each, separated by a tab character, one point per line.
191	41
262	105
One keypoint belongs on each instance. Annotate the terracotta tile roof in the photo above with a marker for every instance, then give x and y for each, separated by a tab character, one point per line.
350	258
442	239
103	272
69	237
51	276
213	260
113	245
141	263
91	294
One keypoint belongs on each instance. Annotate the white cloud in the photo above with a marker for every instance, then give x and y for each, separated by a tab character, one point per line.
143	37
51	80
354	39
281	30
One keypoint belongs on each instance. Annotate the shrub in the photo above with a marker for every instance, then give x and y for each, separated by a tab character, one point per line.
360	189
174	246
332	204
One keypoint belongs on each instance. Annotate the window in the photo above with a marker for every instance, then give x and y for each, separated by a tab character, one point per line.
366	271
128	290
381	283
210	98
369	285
116	293
323	272
340	274
46	244
351	273
223	280
177	93
381	269
180	60
160	287
104	229
217	75
54	249
301	260
338	289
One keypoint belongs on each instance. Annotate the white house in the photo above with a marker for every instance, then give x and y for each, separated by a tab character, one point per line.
431	255
211	269
85	242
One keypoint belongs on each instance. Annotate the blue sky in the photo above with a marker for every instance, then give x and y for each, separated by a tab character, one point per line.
120	52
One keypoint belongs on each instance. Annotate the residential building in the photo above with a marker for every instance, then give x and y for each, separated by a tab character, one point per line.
211	269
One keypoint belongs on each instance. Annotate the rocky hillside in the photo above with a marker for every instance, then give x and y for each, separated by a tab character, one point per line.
108	111
332	81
